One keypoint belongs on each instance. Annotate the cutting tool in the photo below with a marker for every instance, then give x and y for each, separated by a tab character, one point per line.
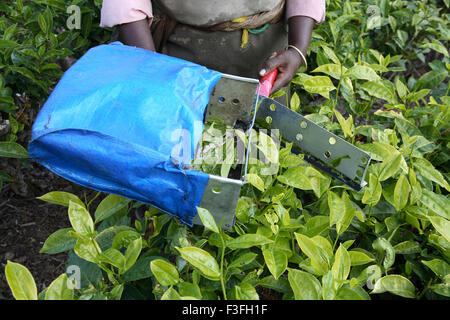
244	100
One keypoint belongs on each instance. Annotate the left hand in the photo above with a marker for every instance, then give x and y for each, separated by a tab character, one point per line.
287	62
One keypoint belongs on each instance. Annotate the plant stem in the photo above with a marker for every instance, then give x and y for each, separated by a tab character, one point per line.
222	277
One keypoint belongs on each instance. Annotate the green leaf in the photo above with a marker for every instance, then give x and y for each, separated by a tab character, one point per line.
242	260
436	46
349	214
316	225
248	240
87	249
244	291
8	44
341	265
427	170
59	241
407	247
372	192
201	260
189	289
401	193
439	267
113	257
317	255
60	198
442	289
390	167
333	70
171	294
395	284
59	289
358	258
132	253
437	203
80	219
13	150
346	293
336	206
125	238
346	124
362	73
380	91
385	248
109	206
304	285
276	261
442	226
20	281
416	96
207	219
296	177
431	79
319	84
255	181
165	272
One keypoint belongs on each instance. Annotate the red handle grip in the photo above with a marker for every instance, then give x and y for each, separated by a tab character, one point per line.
266	83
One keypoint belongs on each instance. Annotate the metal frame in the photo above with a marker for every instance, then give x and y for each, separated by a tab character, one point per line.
232	99
236	98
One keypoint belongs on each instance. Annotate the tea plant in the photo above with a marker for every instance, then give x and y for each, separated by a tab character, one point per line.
378	80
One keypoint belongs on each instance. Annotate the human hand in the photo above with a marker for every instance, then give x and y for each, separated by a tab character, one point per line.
287	62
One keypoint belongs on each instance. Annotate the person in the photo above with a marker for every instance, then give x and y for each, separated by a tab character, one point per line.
246	38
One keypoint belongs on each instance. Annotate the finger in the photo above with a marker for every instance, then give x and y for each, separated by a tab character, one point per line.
271	64
281	81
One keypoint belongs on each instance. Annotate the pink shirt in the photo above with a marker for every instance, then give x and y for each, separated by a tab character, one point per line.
116	12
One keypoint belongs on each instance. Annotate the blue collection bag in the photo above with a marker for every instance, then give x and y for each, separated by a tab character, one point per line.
111	125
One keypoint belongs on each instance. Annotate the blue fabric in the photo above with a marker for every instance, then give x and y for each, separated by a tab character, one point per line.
114	120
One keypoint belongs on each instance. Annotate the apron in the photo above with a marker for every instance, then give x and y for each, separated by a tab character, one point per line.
191	38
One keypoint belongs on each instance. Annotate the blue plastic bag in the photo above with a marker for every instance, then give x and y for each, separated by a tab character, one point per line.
114	120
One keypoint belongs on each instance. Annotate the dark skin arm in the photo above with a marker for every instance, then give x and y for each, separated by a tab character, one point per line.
287	61
137	34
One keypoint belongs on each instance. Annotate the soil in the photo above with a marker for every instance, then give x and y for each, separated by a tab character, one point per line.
26	222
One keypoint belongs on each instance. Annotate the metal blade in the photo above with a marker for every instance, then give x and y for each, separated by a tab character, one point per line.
324	149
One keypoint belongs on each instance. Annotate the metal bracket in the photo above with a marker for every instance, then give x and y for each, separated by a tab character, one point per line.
329	151
220	197
232	99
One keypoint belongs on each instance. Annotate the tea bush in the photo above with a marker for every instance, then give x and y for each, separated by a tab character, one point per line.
379	79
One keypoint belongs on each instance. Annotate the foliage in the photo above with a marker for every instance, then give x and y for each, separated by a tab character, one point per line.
300	234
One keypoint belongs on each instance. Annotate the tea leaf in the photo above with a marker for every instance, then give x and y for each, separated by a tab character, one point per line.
59	289
442	226
341	265
110	206
80	219
276	261
304	285
207	219
61	198
248	240
132	253
201	260
427	170
165	272
401	192
255	181
20	281
59	241
395	284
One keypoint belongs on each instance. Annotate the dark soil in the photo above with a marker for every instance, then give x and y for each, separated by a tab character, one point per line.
26	222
